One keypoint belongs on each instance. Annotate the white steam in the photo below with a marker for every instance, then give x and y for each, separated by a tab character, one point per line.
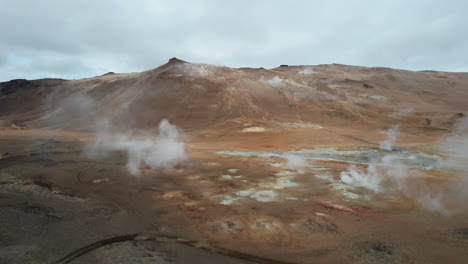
157	151
78	109
455	146
295	162
307	71
388	170
162	152
276	82
388	143
389	173
197	69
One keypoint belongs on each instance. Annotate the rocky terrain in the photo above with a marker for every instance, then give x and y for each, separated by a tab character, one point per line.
197	163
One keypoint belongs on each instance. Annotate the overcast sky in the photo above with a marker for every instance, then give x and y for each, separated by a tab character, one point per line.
76	39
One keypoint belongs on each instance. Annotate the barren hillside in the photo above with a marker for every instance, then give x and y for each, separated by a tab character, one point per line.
197	163
200	95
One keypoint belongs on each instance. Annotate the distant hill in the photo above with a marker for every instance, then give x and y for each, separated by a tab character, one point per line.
197	96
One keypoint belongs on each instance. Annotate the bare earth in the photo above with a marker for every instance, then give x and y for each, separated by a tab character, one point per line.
234	200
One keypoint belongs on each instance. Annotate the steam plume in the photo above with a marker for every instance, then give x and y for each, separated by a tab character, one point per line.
388	143
296	162
163	152
307	71
276	82
389	173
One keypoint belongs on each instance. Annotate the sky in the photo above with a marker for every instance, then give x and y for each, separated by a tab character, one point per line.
78	39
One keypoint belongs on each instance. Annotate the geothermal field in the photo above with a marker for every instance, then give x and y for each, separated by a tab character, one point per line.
197	163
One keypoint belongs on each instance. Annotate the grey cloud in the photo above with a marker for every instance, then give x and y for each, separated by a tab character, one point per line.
85	38
3	59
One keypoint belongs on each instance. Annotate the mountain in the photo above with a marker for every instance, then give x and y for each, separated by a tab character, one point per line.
195	96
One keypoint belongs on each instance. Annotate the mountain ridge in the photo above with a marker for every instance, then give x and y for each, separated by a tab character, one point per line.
196	95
